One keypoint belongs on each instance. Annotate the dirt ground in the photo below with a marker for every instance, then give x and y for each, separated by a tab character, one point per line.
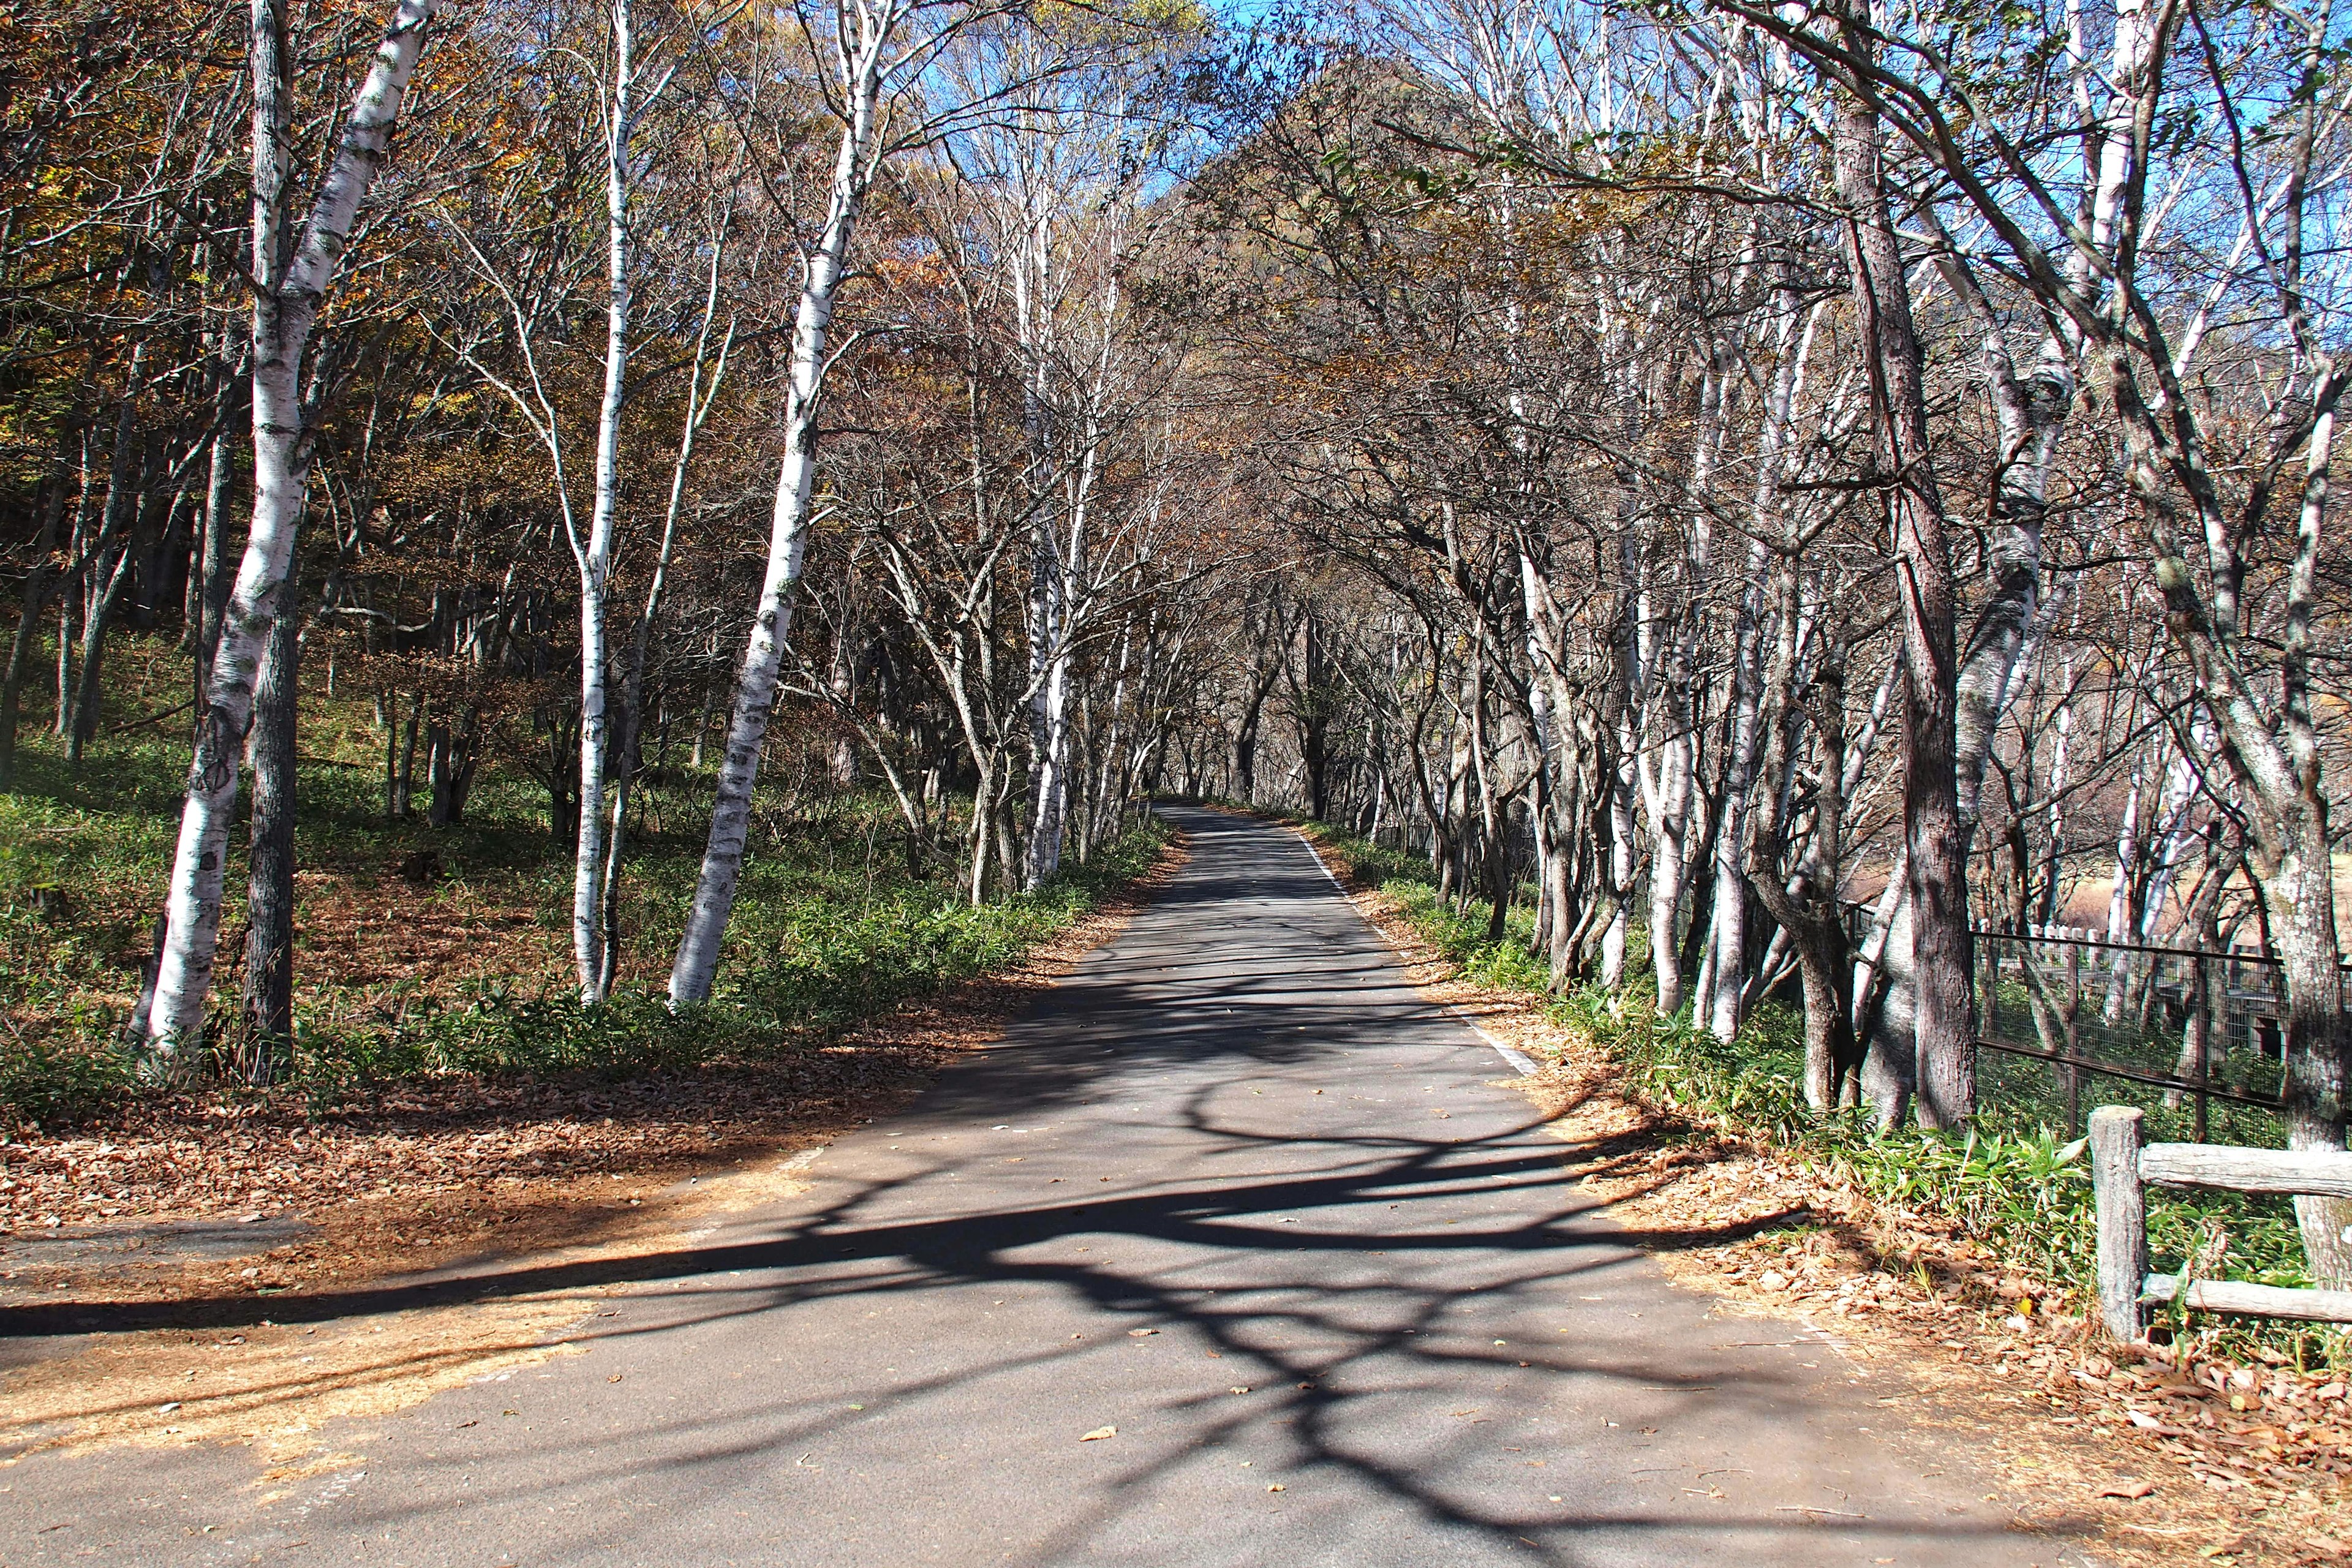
136	1250
2209	1462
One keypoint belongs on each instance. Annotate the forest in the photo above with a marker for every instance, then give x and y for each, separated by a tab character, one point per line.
643	524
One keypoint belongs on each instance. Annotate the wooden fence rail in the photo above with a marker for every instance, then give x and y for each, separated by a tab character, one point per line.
2123	1168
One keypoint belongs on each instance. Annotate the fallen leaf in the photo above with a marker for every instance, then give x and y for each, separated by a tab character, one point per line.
1140	1333
1277	1486
1098	1433
2126	1489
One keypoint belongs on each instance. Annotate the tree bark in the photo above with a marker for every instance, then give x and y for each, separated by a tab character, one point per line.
269	999
286	305
593	555
28	626
1730	973
699	397
2318	1089
213	595
1943	1054
755	684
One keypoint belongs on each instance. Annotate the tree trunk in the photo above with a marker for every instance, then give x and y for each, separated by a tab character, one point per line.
698	400
1824	964
2319	1088
285	307
448	768
98	615
268	1000
1943	1044
28	626
593	556
1723	999
214	599
755	684
1314	721
403	774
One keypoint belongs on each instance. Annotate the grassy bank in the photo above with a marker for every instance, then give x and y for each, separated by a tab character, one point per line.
2015	1184
467	970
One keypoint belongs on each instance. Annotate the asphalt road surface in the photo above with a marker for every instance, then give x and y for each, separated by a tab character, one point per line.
1234	1190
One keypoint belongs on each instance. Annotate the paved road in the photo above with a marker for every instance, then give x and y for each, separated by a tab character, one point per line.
1234	1190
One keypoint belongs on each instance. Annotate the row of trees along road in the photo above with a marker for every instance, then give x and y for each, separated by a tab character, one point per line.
1714	463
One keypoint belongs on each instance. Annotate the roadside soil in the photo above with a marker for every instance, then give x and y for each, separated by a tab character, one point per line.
132	1253
2207	1462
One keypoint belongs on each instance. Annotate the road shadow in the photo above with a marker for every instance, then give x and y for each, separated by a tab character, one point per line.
1329	1269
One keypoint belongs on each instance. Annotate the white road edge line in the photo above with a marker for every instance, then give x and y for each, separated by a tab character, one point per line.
1518	1060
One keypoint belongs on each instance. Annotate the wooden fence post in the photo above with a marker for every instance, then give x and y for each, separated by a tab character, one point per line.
2122	1217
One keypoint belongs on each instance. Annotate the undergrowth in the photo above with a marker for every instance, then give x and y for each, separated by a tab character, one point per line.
836	919
2015	1183
803	963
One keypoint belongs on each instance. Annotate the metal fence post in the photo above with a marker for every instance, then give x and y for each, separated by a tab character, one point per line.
2122	1217
2200	1035
2070	1078
1992	985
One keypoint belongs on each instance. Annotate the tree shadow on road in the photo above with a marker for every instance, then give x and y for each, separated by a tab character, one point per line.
1333	1274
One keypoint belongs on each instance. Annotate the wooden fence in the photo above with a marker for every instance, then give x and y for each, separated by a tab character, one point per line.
2123	1168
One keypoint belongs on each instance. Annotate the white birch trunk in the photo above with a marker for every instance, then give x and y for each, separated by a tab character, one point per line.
1872	960
1727	998
1727	976
1621	865
1046	829
699	398
2127	856
2179	795
284	308
1670	791
2062	735
593	556
755	685
1670	824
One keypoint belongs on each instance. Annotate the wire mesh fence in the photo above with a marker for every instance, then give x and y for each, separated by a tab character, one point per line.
2201	1028
2067	1018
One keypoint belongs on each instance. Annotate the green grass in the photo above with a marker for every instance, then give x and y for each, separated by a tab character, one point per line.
2016	1183
831	926
816	945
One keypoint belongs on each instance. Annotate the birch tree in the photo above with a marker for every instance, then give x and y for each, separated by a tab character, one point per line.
635	69
292	269
872	53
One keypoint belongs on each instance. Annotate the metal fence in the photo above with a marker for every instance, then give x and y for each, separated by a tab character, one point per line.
2199	1028
2202	1026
